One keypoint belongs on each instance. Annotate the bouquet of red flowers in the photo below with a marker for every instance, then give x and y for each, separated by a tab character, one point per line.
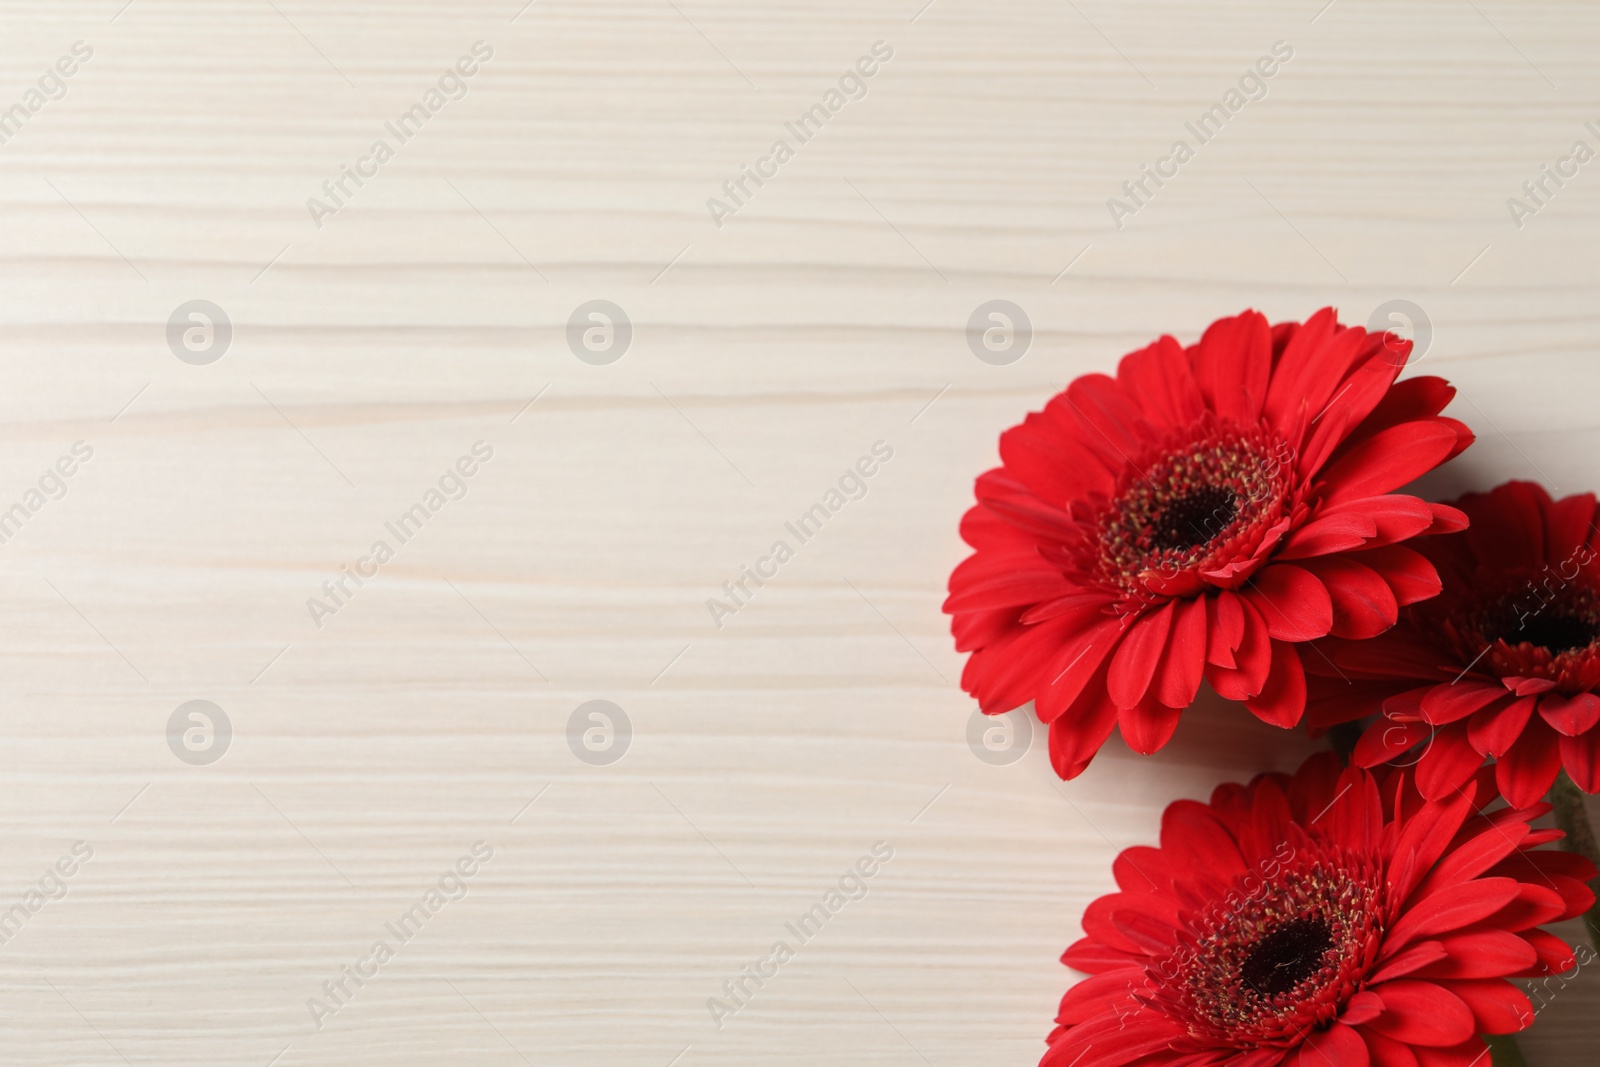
1230	512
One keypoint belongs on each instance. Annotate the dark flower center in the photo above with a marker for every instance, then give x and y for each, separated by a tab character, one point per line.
1556	633
1287	956
1193	518
1201	500
1278	954
1526	624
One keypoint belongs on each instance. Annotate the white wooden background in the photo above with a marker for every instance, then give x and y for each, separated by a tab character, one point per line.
767	356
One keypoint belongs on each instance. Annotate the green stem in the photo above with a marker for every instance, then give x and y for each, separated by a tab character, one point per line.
1504	1051
1573	818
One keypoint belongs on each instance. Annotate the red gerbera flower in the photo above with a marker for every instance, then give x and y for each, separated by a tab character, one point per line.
1334	917
1504	663
1198	515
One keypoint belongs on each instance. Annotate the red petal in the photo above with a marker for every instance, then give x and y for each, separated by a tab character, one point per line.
1497	1005
1338	1044
1422	1013
1388	459
1363	604
1368	383
1005	675
1195	839
1328	430
1233	364
1581	757
1314	786
1447	703
1068	672
1096	994
1572	715
1022	510
1555	955
1294	604
1472	857
1495	729
1043	456
1534	905
1508	522
1386	1051
1408	572
1426	834
1270	818
1282	700
1337	532
1362	1008
1092	956
1355	815
1413	398
1104	419
1567	873
1117	1039
1078	734
1149	922
1184	664
1448	764
1414	958
1254	656
1137	657
1568	525
1472	1052
1401	655
1161	377
1140	868
1021	581
1149	726
1398	516
1227	629
1528	770
1447	519
982	528
1076	603
1528	686
1330	702
1386	739
1452	908
1313	363
1484	954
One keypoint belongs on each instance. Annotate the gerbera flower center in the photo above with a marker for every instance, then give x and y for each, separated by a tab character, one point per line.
1526	626
1193	518
1537	610
1203	500
1287	956
1278	955
1554	633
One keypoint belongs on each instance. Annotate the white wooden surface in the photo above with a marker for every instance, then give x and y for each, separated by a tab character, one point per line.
770	753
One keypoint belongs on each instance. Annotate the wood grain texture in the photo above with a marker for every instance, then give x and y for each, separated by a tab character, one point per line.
768	354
